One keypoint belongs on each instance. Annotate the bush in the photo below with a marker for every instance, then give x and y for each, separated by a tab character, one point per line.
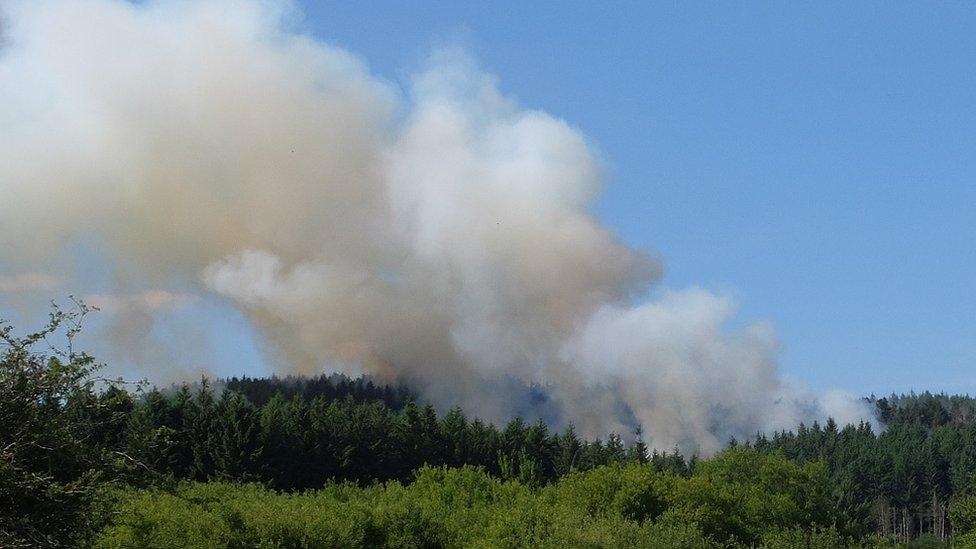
441	508
630	491
801	538
962	514
739	497
49	470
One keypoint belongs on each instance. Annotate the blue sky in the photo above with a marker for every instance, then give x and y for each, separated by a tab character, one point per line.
816	160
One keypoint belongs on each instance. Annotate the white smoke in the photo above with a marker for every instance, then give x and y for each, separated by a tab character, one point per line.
443	238
148	301
28	282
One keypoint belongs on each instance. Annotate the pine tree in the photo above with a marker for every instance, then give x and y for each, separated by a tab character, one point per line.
568	449
455	429
238	446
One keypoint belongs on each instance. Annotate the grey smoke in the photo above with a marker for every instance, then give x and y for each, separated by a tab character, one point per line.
444	237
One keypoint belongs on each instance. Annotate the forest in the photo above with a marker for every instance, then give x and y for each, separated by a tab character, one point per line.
338	462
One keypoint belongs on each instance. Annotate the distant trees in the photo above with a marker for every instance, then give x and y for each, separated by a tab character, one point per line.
328	386
301	443
64	434
897	483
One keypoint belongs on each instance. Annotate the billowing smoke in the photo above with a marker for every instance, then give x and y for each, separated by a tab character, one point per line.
440	236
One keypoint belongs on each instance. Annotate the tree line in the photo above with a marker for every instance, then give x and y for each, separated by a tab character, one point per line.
894	483
898	482
67	439
300	442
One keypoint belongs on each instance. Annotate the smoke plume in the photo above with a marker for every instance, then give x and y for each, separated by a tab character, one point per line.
440	236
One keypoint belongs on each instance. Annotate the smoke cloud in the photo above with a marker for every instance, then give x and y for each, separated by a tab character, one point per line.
27	282
441	236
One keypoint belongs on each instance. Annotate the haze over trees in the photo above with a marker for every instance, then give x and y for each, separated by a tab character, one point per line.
332	461
425	227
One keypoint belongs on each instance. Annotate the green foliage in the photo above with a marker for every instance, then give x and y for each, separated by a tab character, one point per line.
740	494
441	508
738	497
49	416
962	513
820	486
897	482
632	491
805	538
518	485
929	541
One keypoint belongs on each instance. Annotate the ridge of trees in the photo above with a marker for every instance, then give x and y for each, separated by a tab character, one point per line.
66	435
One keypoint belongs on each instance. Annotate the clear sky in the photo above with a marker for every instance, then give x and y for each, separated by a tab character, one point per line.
816	160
